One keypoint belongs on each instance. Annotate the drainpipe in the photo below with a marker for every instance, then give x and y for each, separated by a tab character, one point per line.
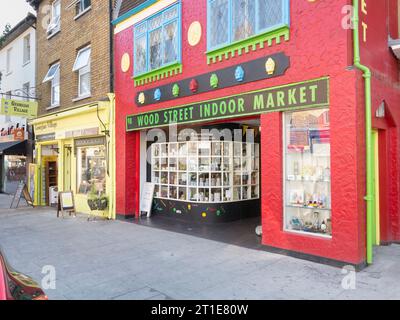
368	129
112	158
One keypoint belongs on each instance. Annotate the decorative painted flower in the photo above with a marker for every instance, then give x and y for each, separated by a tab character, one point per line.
270	66
175	90
214	81
141	98
194	85
239	74
157	94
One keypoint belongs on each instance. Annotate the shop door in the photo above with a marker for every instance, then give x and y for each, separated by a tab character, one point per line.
67	167
376	181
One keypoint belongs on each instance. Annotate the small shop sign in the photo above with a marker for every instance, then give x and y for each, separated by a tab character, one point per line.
302	95
27	109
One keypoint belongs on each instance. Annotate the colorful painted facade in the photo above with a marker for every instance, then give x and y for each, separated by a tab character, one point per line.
291	77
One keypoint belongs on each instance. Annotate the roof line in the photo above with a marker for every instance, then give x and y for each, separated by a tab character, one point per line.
133	11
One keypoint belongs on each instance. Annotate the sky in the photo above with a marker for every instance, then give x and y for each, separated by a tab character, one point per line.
13	11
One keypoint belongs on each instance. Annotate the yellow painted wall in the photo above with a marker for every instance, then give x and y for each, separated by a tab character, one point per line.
72	120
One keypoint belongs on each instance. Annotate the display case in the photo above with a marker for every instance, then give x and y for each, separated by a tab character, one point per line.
206	171
307	174
211	181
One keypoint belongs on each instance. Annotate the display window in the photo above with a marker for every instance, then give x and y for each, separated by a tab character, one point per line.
91	168
205	171
307	172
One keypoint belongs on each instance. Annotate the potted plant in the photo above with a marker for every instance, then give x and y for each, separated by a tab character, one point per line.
102	202
92	199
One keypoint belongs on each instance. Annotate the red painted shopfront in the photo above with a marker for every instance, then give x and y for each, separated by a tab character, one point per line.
317	45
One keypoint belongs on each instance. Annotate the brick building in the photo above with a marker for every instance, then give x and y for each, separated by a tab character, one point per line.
75	127
316	160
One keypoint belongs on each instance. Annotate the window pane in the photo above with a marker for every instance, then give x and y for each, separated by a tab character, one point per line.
243	19
27	49
155	49
270	13
52	72
91	168
156	22
140	29
84	83
171	14
55	95
140	54
82	59
308	172
219	22
171	42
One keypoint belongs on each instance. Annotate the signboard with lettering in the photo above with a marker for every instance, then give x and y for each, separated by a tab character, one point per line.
146	201
310	94
26	109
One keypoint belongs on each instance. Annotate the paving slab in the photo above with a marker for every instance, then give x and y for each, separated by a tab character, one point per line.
119	260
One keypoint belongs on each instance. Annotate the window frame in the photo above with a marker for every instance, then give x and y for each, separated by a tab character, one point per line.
8	61
146	34
285	22
26	55
83	70
285	180
25	89
81	11
79	166
55	24
54	80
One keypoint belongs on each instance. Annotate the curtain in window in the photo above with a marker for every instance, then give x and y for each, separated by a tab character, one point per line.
244	17
140	54
155	49
219	19
171	42
270	13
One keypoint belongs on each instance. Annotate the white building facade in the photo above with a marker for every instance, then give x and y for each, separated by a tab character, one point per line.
17	82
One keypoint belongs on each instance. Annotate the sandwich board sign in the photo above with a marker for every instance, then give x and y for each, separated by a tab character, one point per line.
146	201
66	203
22	191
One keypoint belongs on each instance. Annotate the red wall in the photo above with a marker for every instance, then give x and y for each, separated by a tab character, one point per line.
382	21
318	46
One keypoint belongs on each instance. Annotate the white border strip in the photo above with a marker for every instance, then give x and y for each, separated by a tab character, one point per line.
142	15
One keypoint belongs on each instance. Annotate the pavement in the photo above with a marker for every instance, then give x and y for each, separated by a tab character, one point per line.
120	260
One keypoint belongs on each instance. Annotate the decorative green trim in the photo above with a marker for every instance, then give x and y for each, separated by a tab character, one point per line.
244	46
158	74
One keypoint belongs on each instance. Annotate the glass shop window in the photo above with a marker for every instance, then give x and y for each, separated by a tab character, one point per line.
234	20
307	178
91	167
157	41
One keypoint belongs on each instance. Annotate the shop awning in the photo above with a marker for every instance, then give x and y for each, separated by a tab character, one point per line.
13	148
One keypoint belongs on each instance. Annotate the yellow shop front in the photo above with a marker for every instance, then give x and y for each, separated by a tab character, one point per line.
75	151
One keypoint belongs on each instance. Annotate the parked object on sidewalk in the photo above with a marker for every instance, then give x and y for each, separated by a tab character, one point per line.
66	203
53	196
17	286
22	190
259	231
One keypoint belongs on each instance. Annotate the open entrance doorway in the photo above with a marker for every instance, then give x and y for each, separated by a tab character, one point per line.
206	180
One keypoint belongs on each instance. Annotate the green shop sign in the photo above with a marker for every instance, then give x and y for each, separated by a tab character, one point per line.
309	94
